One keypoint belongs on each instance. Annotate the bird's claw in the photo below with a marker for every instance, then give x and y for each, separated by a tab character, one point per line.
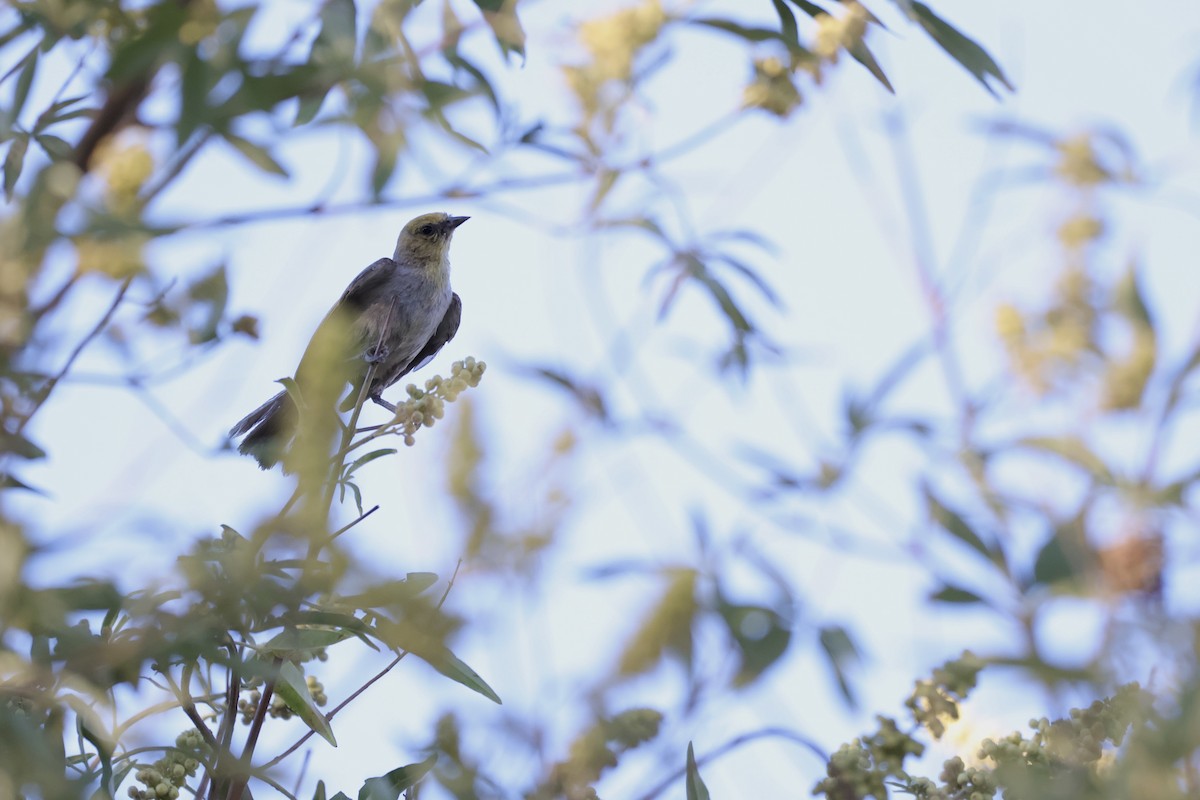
376	355
380	401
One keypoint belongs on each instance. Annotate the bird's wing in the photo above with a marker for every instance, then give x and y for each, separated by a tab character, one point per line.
353	300
365	285
441	335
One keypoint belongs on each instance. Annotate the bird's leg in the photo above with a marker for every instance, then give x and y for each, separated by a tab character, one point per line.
380	401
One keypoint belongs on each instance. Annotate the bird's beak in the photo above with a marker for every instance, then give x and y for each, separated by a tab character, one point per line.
454	222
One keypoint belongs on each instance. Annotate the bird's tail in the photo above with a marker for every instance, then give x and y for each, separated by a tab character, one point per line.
268	430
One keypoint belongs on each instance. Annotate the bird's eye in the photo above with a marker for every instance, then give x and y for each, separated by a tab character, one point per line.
426	230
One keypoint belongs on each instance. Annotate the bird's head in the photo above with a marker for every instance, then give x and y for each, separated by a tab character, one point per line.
425	240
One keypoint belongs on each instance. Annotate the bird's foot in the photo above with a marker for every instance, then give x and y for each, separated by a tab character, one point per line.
376	355
380	401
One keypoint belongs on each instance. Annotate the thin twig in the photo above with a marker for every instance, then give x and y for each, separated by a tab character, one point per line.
48	387
350	525
238	784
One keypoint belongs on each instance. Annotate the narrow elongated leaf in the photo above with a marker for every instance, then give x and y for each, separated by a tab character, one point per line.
24	82
455	669
257	154
961	48
56	147
787	20
842	654
696	790
367	459
863	55
955	594
13	162
953	523
293	690
401	779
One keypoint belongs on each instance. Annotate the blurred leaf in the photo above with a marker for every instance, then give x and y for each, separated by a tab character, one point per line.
195	85
319	794
256	153
666	629
401	779
481	79
696	790
812	9
961	48
761	634
9	481
337	41
501	17
787	21
293	690
16	444
955	594
57	112
1129	301
391	593
138	58
56	147
24	82
954	524
843	655
13	161
1072	449
209	298
450	665
606	179
751	34
863	55
1063	558
302	641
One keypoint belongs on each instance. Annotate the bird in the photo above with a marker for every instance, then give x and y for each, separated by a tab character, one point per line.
396	315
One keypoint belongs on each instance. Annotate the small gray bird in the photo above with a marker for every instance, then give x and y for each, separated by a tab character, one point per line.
397	314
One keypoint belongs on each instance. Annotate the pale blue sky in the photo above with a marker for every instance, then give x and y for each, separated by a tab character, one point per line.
822	186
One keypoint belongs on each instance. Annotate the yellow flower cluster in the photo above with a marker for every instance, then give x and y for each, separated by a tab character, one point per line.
772	88
835	34
118	258
425	406
614	41
125	167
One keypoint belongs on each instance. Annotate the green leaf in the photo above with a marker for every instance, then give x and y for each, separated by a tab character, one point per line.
56	147
961	48
13	161
750	34
761	634
501	17
319	794
1053	564
337	41
256	153
955	594
696	790
367	459
302	641
293	690
862	54
309	107
842	654
450	665
8	481
401	779
787	20
138	58
24	82
195	85
18	445
953	523
812	9
392	593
